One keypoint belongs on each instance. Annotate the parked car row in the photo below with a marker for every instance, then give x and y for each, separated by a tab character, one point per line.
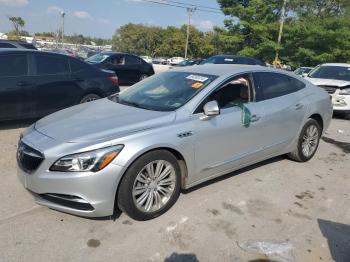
34	83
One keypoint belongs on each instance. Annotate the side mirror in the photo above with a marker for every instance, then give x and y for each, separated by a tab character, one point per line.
210	109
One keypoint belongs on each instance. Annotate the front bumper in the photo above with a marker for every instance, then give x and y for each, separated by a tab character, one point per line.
341	103
92	194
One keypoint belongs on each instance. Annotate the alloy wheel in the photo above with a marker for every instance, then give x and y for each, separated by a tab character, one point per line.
310	140
154	185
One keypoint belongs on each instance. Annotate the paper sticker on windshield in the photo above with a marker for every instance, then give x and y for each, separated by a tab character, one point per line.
229	59
197	85
197	78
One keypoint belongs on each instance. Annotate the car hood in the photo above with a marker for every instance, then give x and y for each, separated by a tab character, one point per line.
328	82
100	120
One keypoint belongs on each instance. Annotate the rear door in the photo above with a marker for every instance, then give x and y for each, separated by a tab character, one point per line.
116	63
133	68
284	108
54	87
15	87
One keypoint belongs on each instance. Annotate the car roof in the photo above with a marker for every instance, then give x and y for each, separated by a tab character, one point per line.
115	53
18	50
336	64
13	41
225	69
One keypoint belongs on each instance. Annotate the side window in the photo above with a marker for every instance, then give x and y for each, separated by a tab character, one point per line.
238	90
132	60
76	65
273	85
13	65
118	60
51	65
6	45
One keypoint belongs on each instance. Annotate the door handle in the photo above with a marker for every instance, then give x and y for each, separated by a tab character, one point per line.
23	83
298	106
254	118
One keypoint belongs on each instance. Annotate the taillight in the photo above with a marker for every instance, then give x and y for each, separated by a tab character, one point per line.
113	79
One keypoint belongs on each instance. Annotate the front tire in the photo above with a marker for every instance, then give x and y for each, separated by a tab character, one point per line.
150	186
308	141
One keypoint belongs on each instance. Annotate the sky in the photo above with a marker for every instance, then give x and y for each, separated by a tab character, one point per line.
100	18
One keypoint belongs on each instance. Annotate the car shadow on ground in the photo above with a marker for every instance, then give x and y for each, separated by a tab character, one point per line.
342	145
175	257
338	237
15	124
235	173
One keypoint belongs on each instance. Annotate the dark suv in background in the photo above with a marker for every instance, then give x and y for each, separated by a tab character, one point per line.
129	68
232	59
16	44
34	84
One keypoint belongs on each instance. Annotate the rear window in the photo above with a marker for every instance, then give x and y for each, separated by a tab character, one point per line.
132	60
51	65
28	46
13	65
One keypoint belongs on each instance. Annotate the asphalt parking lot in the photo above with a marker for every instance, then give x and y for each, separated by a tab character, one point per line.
279	210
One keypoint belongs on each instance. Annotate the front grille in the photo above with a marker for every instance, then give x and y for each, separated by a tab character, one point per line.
28	158
329	89
70	201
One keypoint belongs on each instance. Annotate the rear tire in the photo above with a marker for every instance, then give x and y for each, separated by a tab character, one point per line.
308	141
89	98
142	197
143	76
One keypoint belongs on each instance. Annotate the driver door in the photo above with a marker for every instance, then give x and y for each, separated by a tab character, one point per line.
223	142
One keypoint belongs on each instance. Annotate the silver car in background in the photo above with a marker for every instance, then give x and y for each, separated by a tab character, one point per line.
137	150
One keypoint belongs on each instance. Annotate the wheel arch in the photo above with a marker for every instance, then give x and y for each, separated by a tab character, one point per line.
318	118
179	156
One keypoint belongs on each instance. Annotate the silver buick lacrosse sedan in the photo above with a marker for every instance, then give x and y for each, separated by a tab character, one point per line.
137	149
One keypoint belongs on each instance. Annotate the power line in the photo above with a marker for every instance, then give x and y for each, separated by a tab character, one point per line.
194	5
179	6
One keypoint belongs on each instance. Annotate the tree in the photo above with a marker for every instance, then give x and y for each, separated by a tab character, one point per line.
17	22
315	31
157	41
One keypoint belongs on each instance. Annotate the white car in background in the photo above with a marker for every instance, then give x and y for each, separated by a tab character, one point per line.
176	60
147	59
335	79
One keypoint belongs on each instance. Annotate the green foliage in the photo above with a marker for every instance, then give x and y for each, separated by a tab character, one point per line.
17	22
157	41
315	31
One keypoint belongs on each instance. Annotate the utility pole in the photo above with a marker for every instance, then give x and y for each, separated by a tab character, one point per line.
190	11
62	15
283	13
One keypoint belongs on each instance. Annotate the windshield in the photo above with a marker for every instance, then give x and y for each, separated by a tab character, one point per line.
331	72
166	91
98	58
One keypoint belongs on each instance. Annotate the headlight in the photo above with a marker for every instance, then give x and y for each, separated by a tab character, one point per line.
345	91
87	161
